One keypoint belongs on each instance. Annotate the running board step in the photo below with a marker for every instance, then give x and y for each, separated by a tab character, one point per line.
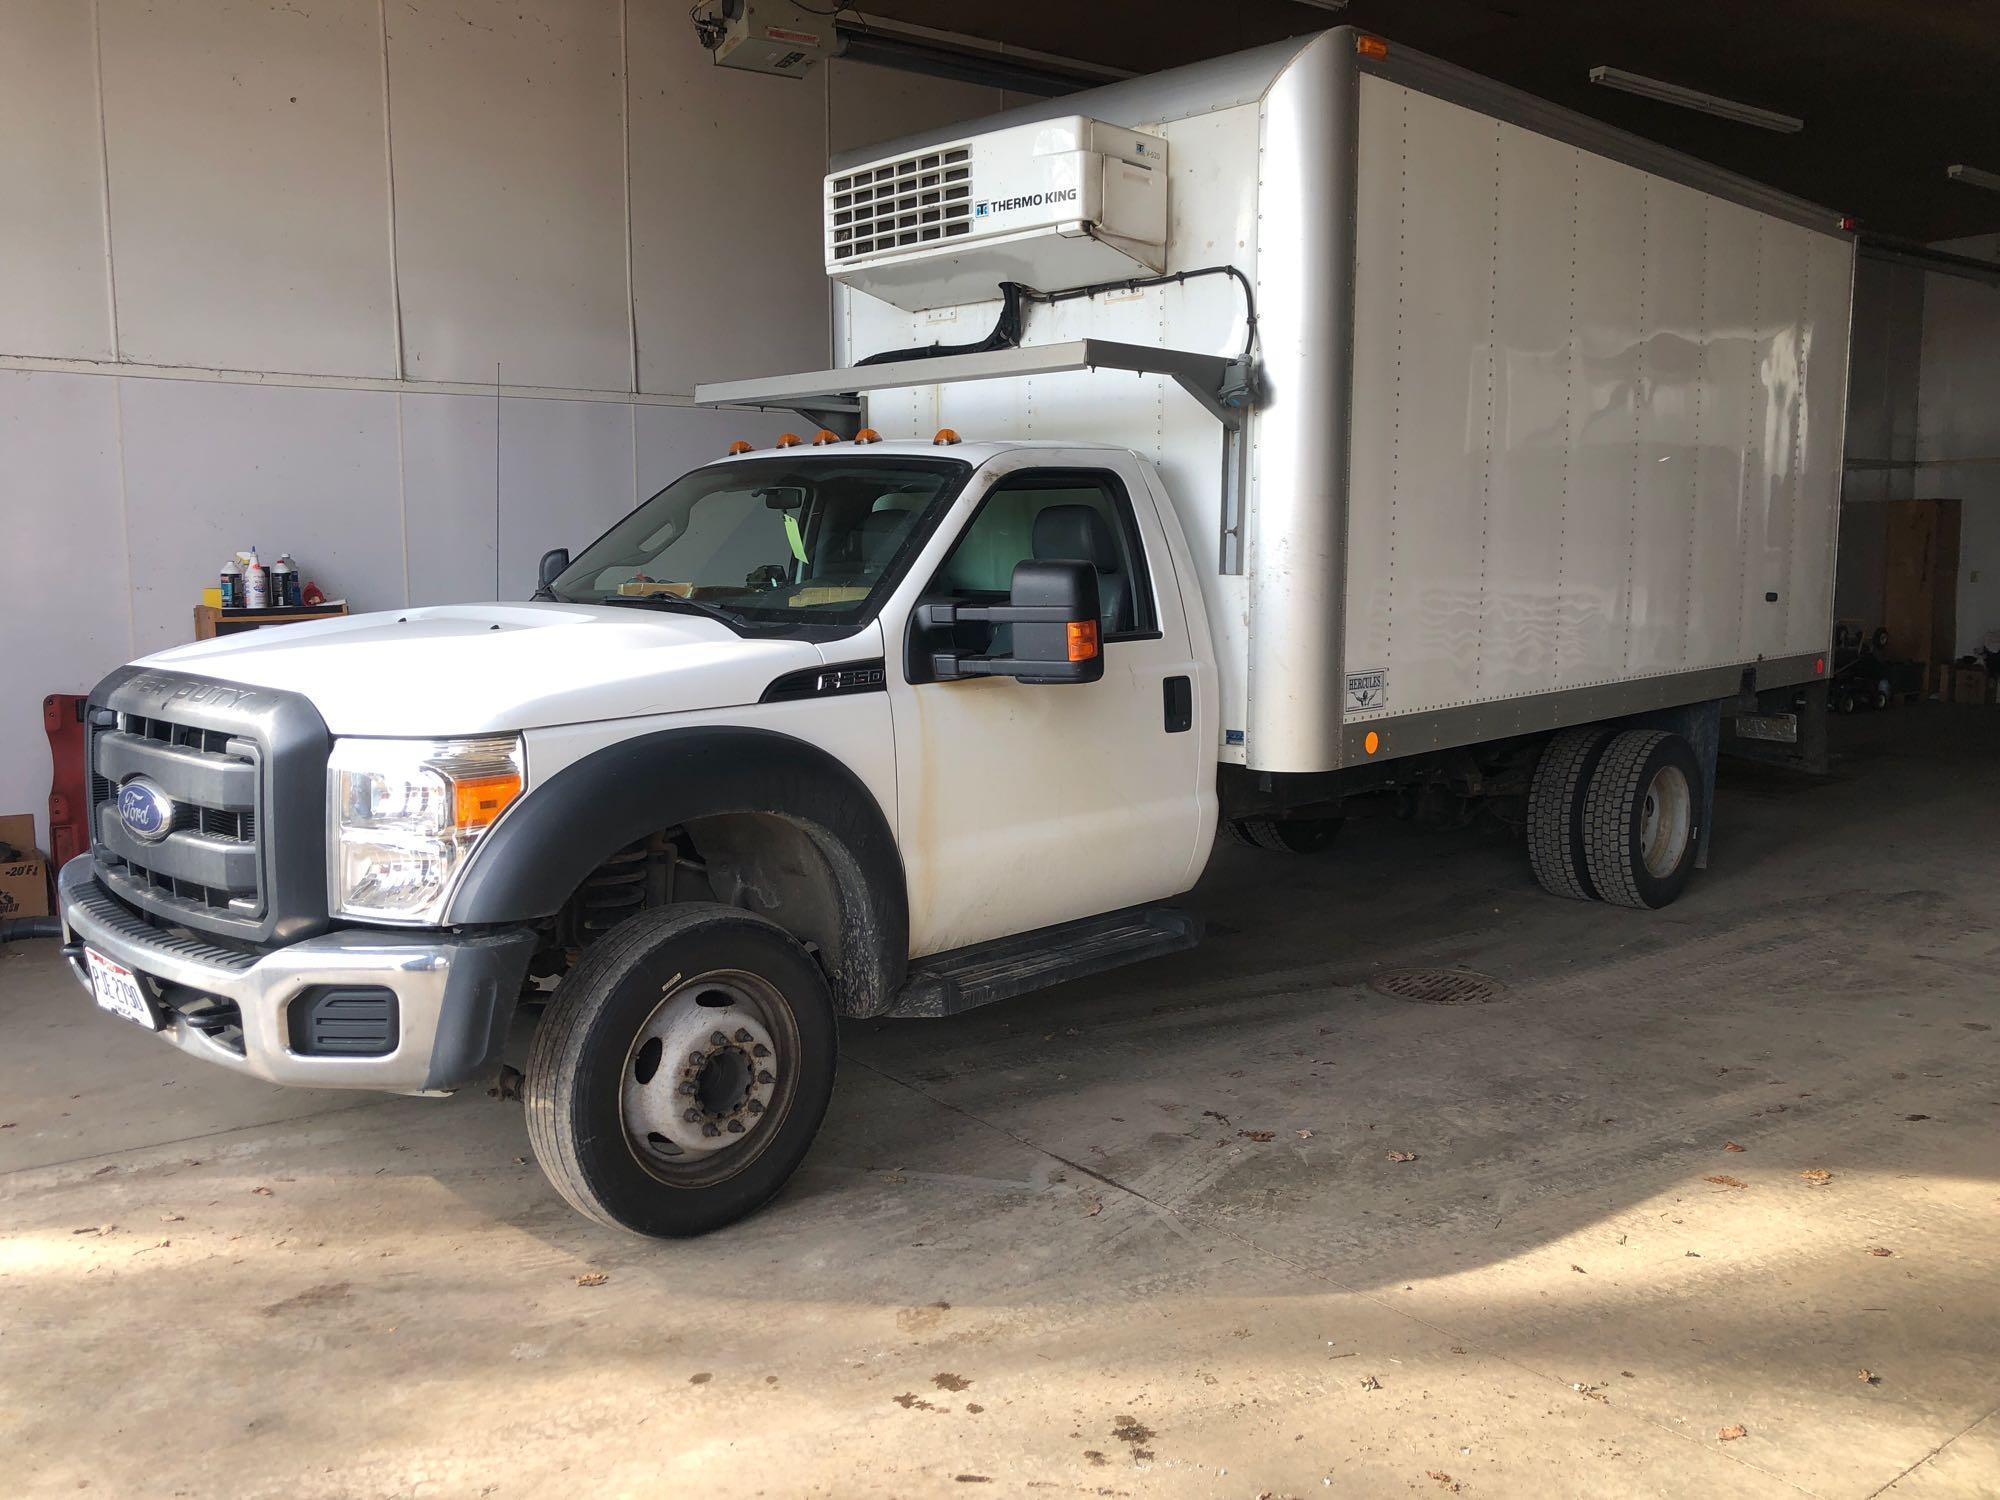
947	983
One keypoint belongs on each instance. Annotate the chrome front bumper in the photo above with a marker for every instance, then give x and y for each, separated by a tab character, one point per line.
455	995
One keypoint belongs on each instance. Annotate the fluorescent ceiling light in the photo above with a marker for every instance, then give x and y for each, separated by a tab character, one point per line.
1708	104
1974	177
1323	4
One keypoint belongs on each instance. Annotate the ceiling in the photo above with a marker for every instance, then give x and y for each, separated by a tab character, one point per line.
1891	93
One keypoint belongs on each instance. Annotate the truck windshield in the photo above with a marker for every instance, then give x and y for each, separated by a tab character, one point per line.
785	545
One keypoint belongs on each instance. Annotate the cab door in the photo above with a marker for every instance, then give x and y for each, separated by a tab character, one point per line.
1023	805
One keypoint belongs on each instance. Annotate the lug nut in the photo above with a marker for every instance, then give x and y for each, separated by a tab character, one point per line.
755	1106
710	1129
760	1050
764	1076
717	1039
692	1116
736	1127
742	1035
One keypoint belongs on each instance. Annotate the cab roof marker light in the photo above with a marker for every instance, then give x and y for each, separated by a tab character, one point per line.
945	438
789	440
739	446
1371	46
1686	98
867	435
825	436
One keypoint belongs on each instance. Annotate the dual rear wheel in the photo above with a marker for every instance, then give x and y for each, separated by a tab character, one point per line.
1615	816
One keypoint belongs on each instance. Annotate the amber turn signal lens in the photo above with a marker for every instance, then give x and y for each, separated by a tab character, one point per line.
1371	46
1371	742
945	437
824	436
1082	640
867	435
477	800
789	440
739	446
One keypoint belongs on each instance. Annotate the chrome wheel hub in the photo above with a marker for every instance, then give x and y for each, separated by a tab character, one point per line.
703	1073
1666	821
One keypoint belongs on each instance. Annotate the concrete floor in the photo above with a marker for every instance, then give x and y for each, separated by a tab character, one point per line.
1049	1248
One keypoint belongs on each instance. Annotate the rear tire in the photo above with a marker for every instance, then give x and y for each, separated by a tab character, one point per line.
1642	819
1286	835
1555	811
681	1071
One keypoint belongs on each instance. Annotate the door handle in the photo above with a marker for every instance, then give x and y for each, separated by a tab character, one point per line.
1177	695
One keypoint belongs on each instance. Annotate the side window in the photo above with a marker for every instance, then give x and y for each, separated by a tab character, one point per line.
1070	515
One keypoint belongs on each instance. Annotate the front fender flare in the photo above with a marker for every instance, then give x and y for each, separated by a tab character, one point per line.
541	851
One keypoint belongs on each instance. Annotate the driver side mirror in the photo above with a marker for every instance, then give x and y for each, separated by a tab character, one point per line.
1052	610
554	564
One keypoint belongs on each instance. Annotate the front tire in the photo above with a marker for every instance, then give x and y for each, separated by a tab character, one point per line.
681	1070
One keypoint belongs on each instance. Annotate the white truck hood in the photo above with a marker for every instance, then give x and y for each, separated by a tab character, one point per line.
489	668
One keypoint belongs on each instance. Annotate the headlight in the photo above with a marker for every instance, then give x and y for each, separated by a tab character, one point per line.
403	814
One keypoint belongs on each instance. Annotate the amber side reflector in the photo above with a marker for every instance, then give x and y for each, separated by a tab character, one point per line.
1371	46
867	435
824	436
478	800
945	437
739	446
1082	640
789	440
1372	742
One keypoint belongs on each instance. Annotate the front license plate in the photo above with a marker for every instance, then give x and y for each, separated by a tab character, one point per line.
117	990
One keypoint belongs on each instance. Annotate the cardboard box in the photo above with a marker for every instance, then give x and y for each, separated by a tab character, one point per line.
1971	685
24	882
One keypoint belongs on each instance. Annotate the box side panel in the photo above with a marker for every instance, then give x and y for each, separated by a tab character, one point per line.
1595	419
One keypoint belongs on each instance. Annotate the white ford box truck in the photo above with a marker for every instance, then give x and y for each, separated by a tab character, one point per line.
1315	424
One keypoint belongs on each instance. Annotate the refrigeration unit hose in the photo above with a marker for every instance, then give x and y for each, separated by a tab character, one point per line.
1007	328
20	929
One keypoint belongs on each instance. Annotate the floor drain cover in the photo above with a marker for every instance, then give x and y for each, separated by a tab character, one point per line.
1437	986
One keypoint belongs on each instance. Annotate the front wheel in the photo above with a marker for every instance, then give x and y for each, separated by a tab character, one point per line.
681	1071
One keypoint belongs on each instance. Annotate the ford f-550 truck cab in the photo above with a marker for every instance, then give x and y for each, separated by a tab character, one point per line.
1366	477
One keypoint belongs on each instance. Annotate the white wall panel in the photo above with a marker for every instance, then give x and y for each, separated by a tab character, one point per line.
63	570
1728	418
1959	418
508	137
674	439
1534	413
55	293
565	476
867	104
1595	416
249	200
1600	535
211	468
450	496
1667	380
726	260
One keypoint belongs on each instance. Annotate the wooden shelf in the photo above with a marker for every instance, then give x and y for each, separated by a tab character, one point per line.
210	622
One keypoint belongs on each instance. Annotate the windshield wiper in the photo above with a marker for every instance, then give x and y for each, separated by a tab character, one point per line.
674	602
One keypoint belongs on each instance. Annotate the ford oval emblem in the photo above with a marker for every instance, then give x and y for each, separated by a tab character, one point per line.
145	810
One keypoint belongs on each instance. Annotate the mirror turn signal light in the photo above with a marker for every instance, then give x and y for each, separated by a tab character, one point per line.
1083	640
739	446
945	438
824	436
867	435
789	440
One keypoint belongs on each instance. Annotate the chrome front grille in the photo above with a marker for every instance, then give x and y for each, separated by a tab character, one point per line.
207	862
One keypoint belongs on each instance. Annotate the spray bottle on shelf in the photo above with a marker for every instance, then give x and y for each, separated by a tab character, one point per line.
256	581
